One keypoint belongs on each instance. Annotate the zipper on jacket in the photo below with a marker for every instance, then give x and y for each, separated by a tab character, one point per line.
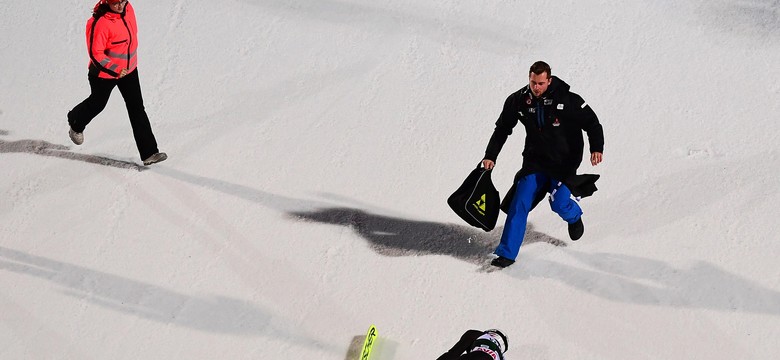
129	42
540	114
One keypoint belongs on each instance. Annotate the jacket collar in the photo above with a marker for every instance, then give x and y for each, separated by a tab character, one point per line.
556	86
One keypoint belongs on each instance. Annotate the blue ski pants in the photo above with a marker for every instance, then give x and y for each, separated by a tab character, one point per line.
527	189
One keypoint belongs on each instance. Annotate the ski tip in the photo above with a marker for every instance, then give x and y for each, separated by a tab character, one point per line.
368	344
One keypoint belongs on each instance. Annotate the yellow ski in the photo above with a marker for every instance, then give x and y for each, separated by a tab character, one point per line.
369	343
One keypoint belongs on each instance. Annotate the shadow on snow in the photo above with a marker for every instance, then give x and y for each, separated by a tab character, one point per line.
391	236
45	148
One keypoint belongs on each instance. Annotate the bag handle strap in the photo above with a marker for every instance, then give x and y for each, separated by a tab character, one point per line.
479	166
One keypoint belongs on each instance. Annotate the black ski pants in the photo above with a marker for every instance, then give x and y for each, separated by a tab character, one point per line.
130	88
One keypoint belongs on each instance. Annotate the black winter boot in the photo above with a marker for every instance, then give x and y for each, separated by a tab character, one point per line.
576	229
501	262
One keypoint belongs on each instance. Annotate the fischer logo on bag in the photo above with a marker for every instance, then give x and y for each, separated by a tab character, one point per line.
481	205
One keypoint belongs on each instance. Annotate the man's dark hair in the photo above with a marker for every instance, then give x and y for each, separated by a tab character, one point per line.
540	67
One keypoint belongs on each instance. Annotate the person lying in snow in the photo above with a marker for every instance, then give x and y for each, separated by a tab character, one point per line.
478	345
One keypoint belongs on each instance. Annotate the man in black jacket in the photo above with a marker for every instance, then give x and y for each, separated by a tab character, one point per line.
554	119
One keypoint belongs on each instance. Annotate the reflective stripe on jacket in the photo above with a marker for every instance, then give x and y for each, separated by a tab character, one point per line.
112	43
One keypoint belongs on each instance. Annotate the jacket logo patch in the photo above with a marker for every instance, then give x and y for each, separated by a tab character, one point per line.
556	122
548	101
532	110
528	101
560	106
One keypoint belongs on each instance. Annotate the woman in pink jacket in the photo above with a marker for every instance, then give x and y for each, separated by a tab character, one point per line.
112	42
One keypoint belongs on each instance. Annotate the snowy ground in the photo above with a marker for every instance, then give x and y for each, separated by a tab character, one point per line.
312	146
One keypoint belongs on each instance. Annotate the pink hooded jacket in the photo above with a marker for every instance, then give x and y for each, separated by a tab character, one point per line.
112	42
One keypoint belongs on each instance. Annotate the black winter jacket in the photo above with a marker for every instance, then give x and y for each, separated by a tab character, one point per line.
553	126
465	344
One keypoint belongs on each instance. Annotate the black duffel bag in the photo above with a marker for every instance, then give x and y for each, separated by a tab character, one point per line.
477	201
